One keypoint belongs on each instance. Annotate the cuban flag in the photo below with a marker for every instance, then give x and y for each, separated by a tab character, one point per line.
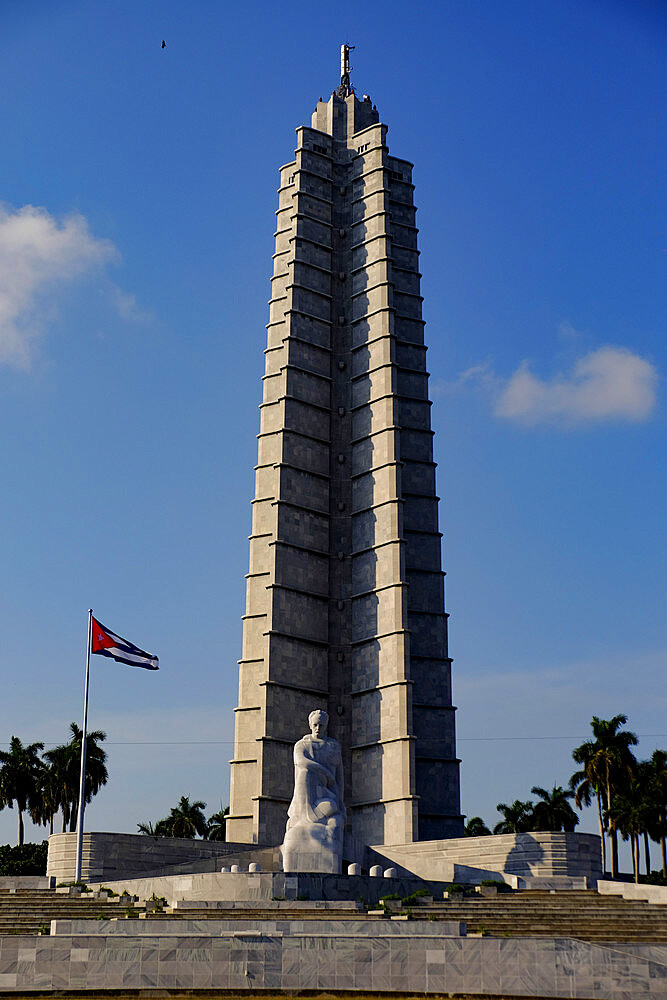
107	643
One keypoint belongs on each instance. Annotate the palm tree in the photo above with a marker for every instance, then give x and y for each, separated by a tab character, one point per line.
517	817
63	780
96	767
65	762
19	778
628	814
187	818
476	827
216	825
658	819
608	762
588	783
162	828
45	805
650	806
554	812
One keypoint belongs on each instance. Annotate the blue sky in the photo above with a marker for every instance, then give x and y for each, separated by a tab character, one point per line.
136	231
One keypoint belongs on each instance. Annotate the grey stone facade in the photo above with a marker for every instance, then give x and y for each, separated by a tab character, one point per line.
345	598
196	957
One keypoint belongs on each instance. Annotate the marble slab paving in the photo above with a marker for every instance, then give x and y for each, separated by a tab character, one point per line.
403	962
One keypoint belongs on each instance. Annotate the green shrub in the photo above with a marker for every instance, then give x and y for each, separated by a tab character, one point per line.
454	887
111	893
655	878
387	903
414	896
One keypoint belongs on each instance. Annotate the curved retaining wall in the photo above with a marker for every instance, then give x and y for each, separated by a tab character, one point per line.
109	856
536	855
112	856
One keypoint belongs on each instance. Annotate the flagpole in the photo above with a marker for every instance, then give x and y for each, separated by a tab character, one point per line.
84	733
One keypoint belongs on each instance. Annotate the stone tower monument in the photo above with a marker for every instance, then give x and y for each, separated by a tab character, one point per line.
345	599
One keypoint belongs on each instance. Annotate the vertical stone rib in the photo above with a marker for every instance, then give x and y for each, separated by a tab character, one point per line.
383	793
437	772
345	606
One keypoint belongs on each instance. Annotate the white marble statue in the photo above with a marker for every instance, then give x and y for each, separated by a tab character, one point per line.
316	816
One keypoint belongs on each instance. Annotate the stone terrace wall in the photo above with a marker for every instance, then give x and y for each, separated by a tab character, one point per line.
526	854
109	856
267	886
404	963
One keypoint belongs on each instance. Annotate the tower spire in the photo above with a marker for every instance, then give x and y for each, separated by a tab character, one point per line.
345	85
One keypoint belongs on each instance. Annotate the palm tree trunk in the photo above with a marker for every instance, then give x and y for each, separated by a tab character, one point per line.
602	838
634	857
612	833
64	826
663	851
19	839
613	836
51	825
647	853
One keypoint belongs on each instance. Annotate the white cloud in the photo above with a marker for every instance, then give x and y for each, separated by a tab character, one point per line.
481	376
567	332
608	384
37	252
127	306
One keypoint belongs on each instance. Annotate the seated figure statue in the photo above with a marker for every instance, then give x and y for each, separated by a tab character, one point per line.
316	816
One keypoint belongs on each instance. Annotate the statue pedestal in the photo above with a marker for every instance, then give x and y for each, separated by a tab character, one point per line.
313	848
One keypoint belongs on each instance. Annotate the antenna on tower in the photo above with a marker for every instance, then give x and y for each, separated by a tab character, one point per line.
345	85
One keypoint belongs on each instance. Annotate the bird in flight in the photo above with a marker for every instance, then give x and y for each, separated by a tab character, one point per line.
164	44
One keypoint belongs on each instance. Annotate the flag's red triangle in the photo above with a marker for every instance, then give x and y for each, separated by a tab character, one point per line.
100	638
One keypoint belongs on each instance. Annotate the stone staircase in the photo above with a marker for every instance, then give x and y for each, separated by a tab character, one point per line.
530	913
534	913
26	911
266	911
